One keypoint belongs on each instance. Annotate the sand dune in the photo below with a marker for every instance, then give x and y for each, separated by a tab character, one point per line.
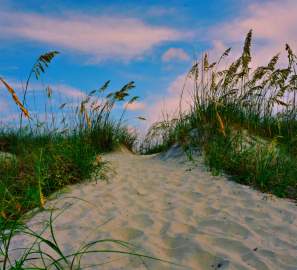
174	211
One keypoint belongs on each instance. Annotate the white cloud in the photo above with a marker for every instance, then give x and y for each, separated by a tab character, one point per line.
101	37
9	118
61	94
65	90
69	91
175	54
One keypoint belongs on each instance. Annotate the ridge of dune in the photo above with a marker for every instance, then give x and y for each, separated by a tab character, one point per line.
177	212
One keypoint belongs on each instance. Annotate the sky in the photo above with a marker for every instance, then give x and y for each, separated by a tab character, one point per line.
153	43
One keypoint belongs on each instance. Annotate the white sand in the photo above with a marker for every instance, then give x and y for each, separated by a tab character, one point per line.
181	215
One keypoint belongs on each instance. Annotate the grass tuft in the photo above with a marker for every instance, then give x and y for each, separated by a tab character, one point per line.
245	121
42	157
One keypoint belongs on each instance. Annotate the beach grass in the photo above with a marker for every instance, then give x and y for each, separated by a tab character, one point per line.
40	157
243	119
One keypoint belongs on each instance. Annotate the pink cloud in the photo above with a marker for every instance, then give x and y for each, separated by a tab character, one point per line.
175	54
101	37
169	105
273	23
135	106
3	106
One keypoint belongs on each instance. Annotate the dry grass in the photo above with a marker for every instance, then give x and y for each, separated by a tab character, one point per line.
15	98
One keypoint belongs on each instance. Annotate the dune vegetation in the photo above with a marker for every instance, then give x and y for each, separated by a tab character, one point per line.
243	120
39	158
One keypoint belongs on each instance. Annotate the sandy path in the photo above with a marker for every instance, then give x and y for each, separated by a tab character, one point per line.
185	216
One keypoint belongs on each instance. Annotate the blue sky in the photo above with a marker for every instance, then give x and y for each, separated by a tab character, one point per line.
150	42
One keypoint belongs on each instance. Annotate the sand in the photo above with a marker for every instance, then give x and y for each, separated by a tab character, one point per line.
175	211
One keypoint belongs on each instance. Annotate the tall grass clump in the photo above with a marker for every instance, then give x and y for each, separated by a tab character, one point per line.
243	119
40	157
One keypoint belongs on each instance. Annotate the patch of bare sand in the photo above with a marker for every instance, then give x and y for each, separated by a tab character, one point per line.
172	211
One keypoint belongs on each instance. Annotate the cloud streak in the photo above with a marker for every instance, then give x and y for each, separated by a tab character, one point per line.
175	54
101	37
65	90
135	106
69	91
